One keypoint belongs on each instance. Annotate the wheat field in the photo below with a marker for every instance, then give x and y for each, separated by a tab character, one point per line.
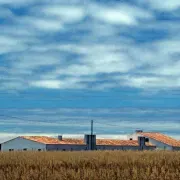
98	165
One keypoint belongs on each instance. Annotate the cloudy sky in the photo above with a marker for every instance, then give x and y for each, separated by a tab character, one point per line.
96	59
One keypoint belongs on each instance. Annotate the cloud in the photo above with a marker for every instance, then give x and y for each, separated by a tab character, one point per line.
122	14
151	82
5	13
11	2
43	24
64	83
63	45
66	14
167	5
106	121
47	84
11	44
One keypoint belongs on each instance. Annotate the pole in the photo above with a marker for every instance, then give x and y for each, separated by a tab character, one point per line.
91	134
92	127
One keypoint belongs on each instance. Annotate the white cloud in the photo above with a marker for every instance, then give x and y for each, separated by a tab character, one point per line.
42	24
151	82
11	44
54	84
122	14
67	14
169	69
67	83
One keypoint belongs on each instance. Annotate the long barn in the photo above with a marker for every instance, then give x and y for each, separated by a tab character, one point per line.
138	141
44	143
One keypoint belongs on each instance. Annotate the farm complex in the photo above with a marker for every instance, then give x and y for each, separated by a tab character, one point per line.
137	141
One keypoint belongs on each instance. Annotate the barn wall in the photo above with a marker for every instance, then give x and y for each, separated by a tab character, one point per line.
65	147
176	148
113	147
21	143
160	145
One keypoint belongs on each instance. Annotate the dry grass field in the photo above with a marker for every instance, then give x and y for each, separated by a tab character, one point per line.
106	165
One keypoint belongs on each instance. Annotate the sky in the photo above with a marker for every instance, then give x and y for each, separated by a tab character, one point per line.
63	63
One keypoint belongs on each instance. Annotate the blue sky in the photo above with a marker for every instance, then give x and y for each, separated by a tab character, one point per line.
90	56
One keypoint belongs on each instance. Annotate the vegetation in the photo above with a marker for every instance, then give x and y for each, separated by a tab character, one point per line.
106	165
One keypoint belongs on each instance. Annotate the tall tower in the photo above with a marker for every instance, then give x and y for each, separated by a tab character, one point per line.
90	139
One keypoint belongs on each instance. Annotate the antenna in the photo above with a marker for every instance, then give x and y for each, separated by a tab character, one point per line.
92	134
92	122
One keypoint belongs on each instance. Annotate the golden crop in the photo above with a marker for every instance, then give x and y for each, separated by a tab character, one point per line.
97	165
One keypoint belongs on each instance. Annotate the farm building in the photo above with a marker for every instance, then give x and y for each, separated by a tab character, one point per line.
43	143
138	141
161	141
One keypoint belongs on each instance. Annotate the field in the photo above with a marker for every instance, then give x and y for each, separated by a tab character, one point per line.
106	165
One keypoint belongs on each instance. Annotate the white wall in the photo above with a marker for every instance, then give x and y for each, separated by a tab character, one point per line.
134	136
21	143
160	145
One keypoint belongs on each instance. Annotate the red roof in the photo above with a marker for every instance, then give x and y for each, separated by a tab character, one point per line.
119	142
161	138
50	140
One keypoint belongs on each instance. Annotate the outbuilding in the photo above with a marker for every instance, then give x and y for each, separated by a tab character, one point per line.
161	141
